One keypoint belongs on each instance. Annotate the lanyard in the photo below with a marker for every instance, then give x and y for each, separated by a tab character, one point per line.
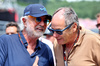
22	41
64	53
64	48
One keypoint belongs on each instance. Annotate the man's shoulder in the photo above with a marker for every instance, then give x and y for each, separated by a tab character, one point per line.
89	34
4	36
90	37
8	37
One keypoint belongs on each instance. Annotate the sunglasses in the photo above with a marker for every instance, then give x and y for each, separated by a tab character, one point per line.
60	32
39	19
97	25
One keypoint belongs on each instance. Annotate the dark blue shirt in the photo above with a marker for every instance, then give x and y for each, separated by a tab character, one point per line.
14	53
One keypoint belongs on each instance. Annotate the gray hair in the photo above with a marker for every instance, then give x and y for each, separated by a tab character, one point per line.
22	25
69	14
23	17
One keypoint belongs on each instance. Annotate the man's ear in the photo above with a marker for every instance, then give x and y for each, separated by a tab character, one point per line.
24	21
74	27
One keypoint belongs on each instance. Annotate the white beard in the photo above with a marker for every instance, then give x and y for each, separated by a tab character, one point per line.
31	31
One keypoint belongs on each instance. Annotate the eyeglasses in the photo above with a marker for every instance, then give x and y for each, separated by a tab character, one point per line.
60	32
39	19
97	25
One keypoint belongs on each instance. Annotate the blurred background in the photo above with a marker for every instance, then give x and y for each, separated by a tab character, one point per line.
12	10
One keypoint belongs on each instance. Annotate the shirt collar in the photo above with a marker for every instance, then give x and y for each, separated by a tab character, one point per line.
22	37
82	33
38	46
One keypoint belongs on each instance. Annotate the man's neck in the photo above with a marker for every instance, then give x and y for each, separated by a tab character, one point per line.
32	42
72	41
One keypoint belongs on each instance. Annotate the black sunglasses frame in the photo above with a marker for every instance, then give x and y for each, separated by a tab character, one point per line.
97	25
38	19
60	32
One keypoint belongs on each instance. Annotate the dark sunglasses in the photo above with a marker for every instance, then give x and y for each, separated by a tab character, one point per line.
39	19
60	32
97	25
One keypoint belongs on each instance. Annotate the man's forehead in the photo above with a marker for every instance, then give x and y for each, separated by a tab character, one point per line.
61	12
58	16
56	25
58	19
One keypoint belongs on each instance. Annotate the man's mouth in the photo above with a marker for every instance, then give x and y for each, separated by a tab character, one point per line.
39	29
58	38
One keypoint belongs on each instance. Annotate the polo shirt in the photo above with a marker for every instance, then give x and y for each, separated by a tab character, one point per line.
86	51
14	53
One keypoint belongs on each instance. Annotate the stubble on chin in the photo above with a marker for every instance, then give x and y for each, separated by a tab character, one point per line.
32	32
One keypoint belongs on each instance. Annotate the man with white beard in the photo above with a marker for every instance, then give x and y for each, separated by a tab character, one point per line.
21	49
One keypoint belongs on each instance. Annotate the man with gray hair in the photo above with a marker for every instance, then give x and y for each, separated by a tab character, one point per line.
76	46
23	48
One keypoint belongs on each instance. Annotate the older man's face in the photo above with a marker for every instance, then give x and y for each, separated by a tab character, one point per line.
34	28
58	23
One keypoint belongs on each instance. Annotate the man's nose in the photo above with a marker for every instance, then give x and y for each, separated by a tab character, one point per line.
55	34
42	23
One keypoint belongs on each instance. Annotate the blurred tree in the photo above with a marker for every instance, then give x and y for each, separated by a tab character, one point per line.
84	8
44	2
